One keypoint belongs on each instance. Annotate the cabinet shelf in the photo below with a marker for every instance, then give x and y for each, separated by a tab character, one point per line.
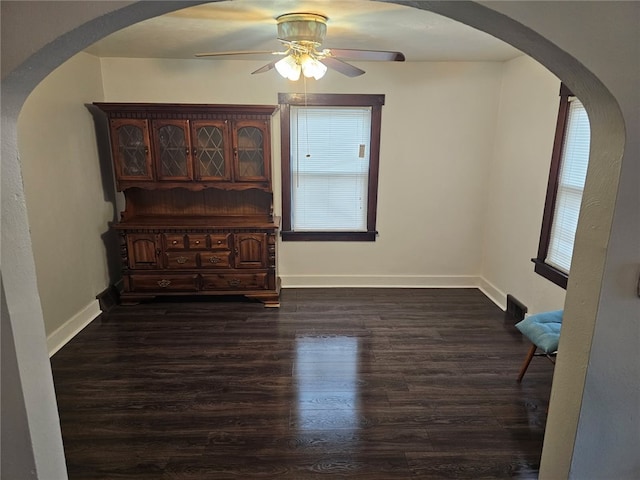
198	222
194	186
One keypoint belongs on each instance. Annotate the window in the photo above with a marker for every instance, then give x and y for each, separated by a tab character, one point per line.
330	155
564	192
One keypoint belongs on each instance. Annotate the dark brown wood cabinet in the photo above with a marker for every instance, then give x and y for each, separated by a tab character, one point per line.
197	184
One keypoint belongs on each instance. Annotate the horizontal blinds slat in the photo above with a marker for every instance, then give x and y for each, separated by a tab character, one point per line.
330	203
330	168
573	171
575	156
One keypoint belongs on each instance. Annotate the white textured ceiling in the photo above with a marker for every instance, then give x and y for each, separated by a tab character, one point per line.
251	25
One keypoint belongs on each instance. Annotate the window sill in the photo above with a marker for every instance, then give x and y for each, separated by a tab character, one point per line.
550	273
289	235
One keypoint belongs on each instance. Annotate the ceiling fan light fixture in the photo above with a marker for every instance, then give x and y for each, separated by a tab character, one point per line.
303	35
302	27
289	68
312	67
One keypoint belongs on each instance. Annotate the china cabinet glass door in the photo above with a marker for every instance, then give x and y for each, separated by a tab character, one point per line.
251	151
210	150
131	149
172	150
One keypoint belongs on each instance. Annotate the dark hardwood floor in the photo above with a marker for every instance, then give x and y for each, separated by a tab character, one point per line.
337	383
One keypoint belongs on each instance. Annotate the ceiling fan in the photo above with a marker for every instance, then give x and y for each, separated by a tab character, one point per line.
302	34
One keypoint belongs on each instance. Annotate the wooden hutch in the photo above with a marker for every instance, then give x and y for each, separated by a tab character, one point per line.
198	217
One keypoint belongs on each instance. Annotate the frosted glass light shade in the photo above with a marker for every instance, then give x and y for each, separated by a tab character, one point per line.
312	67
289	68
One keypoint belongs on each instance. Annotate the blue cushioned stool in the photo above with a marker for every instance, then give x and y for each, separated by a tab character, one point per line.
543	330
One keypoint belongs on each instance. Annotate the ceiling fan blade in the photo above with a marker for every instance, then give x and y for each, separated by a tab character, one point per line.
267	67
366	55
342	67
239	52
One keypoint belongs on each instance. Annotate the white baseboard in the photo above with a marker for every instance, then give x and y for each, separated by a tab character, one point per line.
494	293
397	281
382	281
59	338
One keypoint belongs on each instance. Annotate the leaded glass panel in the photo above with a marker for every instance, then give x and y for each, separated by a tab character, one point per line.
210	151
173	151
250	153
132	149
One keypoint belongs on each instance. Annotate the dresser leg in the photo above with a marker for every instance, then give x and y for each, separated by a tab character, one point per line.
270	300
127	299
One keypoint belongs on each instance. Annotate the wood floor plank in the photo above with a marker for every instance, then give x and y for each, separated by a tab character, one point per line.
336	383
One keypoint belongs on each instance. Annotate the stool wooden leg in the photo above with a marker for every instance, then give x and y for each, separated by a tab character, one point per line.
527	361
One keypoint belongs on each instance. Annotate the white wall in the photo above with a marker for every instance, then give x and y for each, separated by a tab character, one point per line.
68	213
529	101
438	126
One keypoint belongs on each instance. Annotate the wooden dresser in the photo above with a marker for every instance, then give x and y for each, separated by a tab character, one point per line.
197	184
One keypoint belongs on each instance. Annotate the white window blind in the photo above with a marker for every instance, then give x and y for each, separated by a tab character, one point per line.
573	170
330	168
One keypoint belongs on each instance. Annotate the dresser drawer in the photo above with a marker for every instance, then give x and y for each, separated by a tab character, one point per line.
159	283
180	260
220	240
197	241
235	281
215	259
174	242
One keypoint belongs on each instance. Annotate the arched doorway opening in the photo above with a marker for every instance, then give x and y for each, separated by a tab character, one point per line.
22	307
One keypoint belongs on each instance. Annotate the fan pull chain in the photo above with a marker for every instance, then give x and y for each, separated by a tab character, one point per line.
306	115
306	127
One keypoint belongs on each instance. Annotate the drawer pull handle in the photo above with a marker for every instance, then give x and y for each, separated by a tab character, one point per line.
234	283
181	260
197	242
219	242
164	283
175	242
215	259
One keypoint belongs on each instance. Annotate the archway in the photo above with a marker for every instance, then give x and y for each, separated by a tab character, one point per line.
22	304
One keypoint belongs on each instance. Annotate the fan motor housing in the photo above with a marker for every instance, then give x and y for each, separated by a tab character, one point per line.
302	27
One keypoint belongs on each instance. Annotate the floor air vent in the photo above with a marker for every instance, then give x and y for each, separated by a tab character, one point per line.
516	310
